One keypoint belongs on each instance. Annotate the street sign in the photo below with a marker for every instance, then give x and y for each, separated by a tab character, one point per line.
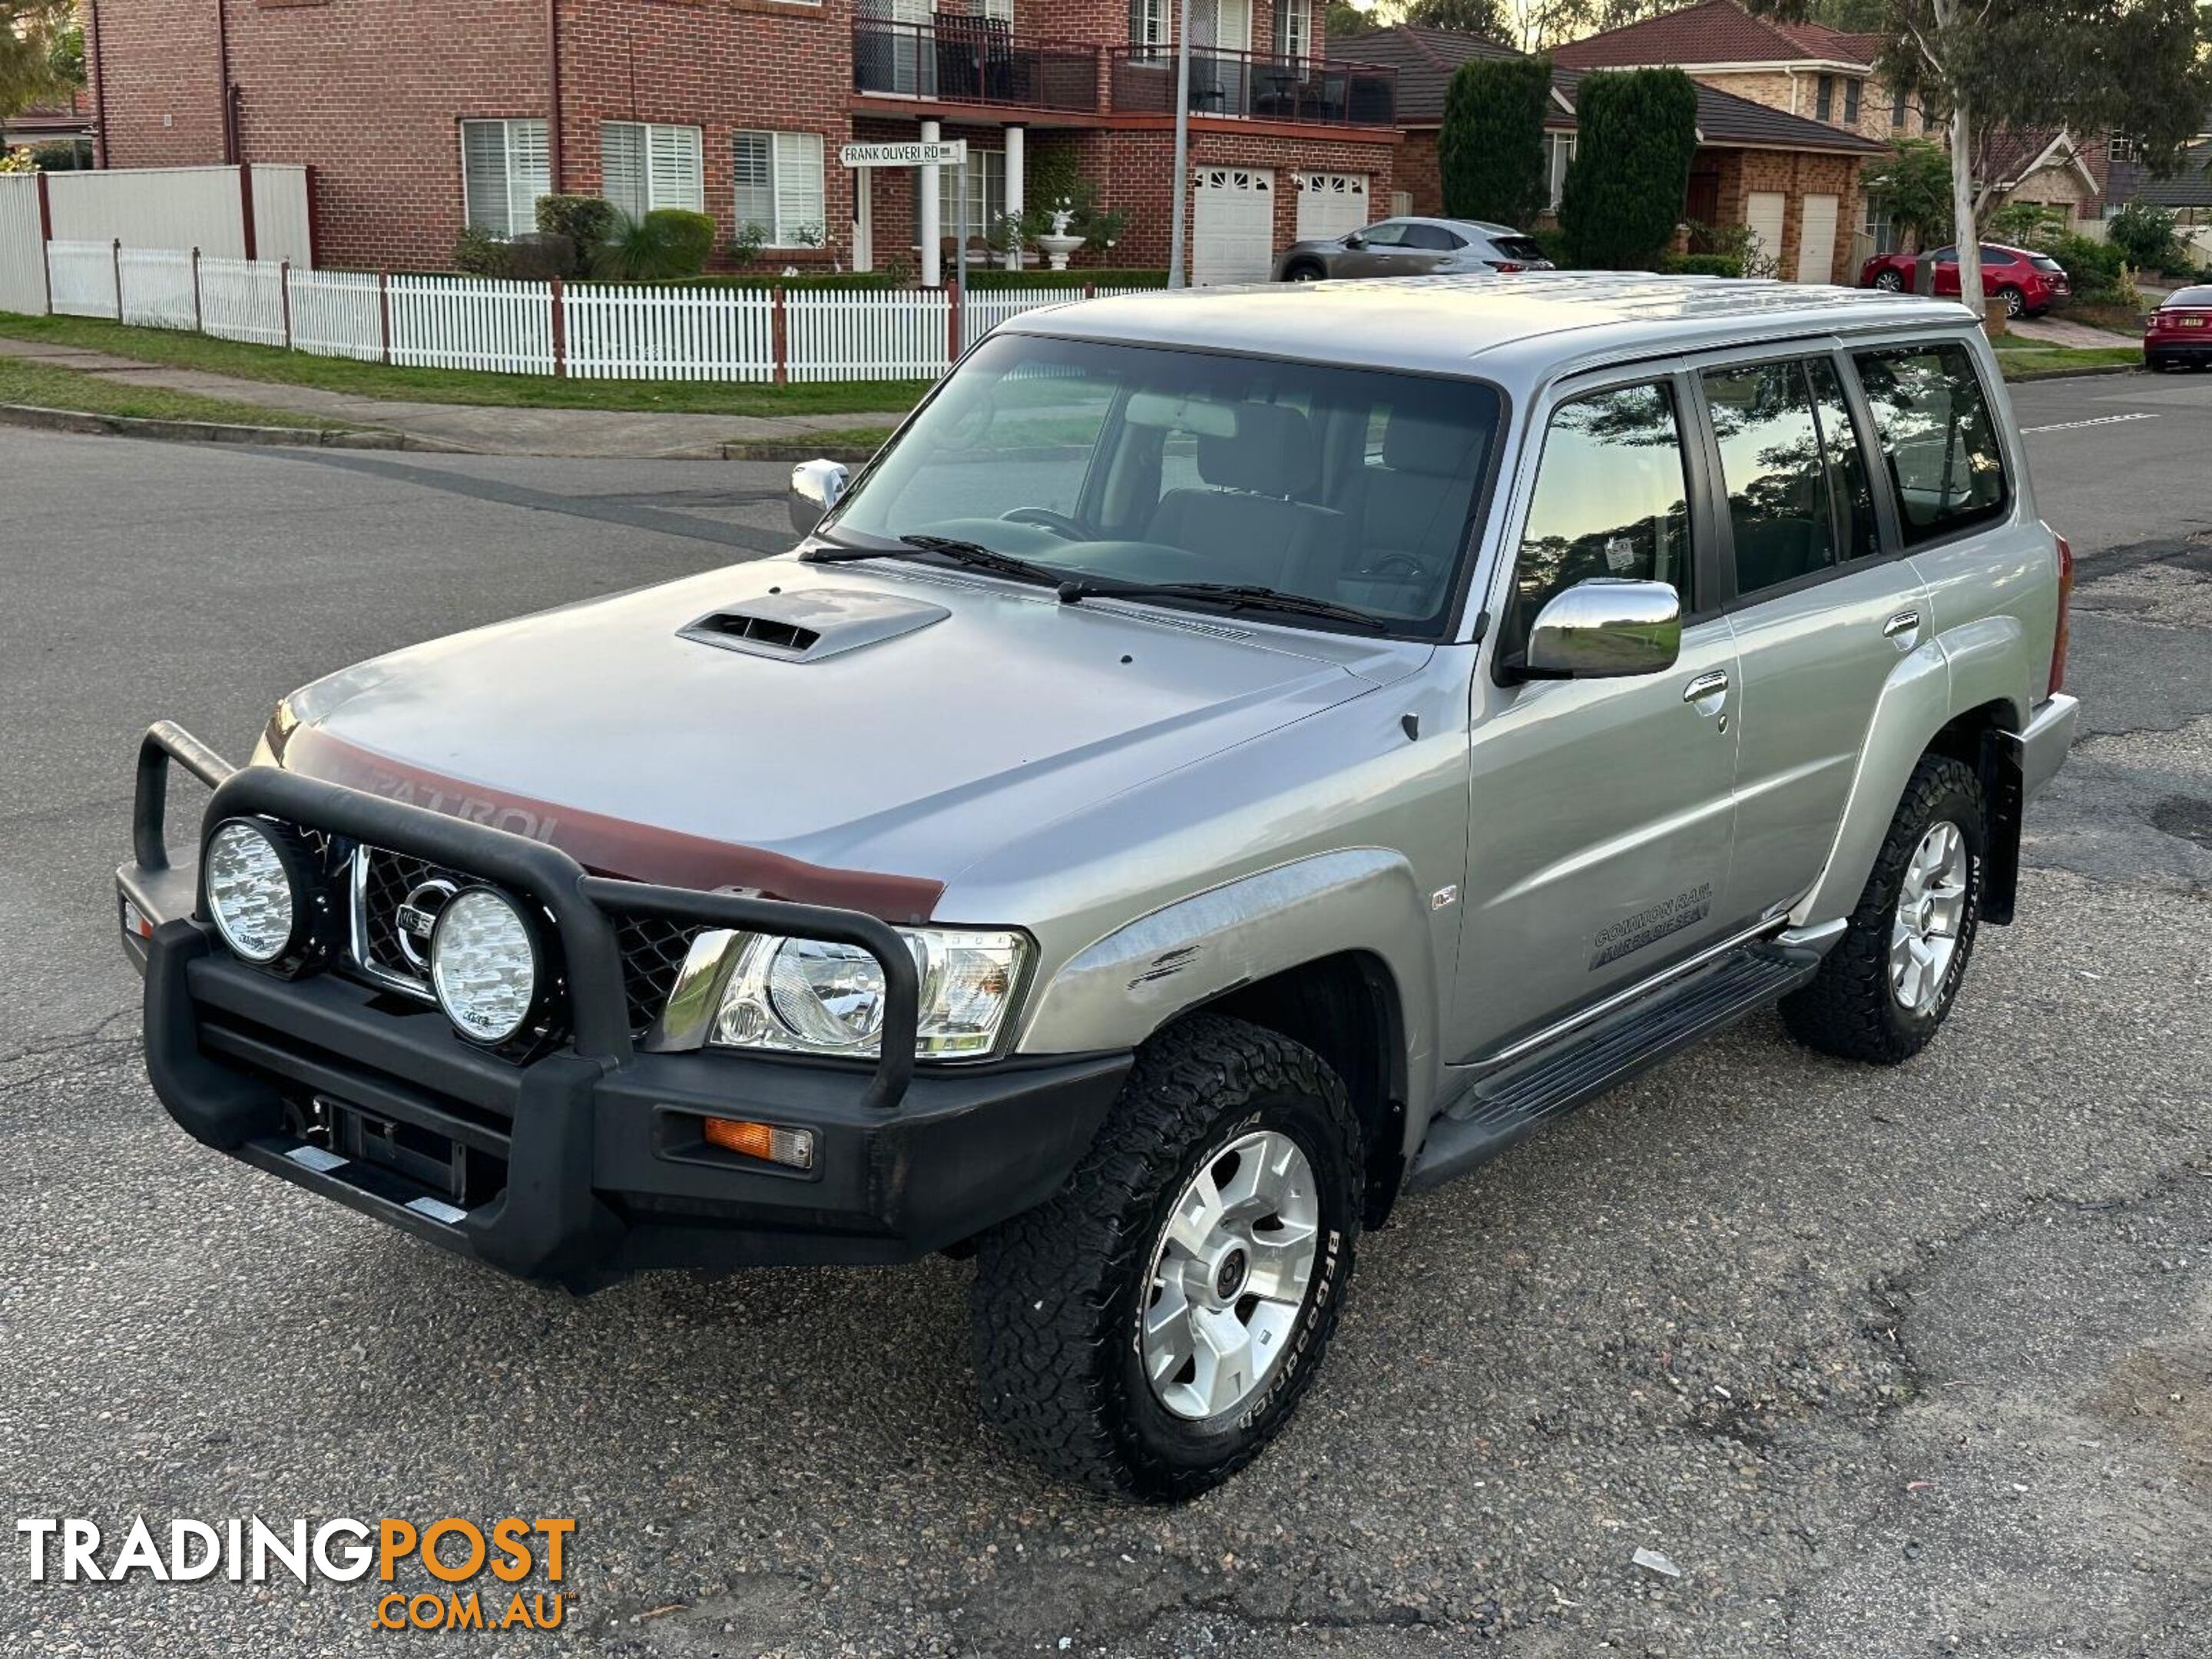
951	153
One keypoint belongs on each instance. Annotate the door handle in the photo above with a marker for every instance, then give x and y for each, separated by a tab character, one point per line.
1707	685
1905	622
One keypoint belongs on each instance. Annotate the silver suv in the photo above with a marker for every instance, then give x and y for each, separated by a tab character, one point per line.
1232	758
1413	247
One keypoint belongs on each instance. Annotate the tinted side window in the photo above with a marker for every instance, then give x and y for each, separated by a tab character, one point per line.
1389	233
1849	487
1430	236
1997	256
1937	435
1775	474
1610	501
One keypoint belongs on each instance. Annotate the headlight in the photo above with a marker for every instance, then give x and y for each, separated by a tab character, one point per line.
253	897
483	965
810	997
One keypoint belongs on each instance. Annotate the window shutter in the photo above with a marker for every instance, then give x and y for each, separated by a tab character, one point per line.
798	186
622	167
675	169
529	174
755	173
483	174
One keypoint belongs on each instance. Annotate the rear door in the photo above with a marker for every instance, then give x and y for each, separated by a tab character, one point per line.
1602	817
1822	603
1426	247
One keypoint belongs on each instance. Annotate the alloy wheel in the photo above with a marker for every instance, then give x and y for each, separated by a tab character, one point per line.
1931	907
1229	1275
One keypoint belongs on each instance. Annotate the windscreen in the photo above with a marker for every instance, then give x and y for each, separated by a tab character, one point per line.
1144	464
1518	247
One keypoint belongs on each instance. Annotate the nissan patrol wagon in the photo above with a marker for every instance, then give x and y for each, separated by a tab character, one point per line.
1231	759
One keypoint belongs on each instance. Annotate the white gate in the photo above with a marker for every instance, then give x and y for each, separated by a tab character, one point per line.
1233	216
1816	241
1764	210
23	245
1331	204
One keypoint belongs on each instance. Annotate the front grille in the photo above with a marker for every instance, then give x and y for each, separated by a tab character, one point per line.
653	953
382	881
652	950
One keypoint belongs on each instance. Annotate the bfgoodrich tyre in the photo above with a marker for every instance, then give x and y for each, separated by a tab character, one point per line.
1152	1326
1887	986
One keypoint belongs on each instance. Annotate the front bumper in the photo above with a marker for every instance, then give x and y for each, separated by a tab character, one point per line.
589	1162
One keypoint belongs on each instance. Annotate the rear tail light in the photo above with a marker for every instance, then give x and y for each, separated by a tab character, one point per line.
2065	603
1503	264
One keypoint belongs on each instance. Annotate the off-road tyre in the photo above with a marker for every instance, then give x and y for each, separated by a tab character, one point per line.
1060	1291
1850	1008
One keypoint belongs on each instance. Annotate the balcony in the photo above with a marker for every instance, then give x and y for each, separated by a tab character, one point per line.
980	61
973	60
1254	87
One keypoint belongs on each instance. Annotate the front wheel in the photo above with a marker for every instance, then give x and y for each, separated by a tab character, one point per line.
1303	273
1889	282
1883	990
1152	1326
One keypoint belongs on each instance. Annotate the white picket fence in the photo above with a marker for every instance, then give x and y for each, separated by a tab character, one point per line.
589	330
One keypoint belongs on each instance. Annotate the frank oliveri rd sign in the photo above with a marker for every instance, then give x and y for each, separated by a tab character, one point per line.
951	153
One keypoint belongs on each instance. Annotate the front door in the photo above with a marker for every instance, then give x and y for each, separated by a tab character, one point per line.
1821	615
1601	817
1381	252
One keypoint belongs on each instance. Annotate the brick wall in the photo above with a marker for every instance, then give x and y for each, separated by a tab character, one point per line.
1418	173
1797	174
1800	97
371	92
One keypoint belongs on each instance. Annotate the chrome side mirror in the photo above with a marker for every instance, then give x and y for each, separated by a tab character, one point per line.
1606	627
816	487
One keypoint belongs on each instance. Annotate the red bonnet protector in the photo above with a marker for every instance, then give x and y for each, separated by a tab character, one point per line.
608	845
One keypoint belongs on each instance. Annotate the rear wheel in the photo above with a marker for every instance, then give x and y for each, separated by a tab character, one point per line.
2015	302
1887	986
1152	1326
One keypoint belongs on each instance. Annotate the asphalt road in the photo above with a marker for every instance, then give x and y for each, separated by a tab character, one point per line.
1888	1363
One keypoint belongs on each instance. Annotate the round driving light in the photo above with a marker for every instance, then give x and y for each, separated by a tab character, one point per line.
483	966
830	995
251	897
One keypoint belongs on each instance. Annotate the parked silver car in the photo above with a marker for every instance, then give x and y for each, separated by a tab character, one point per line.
1232	758
1413	247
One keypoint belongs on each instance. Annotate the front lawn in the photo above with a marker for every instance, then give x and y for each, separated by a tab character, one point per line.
454	386
44	385
2026	360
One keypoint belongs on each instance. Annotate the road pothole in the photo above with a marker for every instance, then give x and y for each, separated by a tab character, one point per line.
2185	815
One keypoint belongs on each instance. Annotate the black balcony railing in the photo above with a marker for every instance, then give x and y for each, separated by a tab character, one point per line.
1253	85
973	60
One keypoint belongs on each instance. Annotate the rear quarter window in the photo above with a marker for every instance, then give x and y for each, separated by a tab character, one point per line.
1939	436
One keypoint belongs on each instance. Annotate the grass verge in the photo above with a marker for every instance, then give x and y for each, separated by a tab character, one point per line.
453	385
2028	360
843	443
46	387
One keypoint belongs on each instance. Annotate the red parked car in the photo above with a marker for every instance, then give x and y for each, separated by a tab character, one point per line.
2180	331
2025	283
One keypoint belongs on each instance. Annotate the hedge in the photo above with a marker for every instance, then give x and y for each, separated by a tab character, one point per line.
1103	277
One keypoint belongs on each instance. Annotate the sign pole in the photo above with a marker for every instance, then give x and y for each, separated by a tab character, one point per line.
960	225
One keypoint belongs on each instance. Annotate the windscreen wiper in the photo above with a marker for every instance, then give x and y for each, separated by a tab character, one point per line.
974	555
1235	595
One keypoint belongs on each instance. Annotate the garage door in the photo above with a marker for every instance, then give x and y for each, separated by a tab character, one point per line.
1330	203
1816	244
1762	211
1233	238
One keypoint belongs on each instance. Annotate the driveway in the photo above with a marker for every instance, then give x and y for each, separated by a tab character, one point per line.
1886	1363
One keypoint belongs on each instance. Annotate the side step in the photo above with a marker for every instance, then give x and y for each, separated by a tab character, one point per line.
1501	1109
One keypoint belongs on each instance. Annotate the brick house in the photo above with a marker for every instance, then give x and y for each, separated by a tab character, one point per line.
417	119
1794	181
1820	74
